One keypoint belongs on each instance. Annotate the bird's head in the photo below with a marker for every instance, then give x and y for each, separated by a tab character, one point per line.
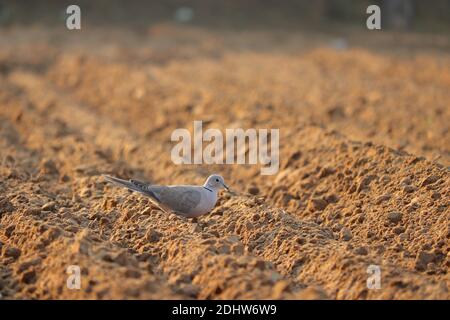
215	182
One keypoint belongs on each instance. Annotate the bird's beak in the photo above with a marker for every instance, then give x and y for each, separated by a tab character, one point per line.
226	187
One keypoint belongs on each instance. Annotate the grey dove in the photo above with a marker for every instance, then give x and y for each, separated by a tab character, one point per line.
185	200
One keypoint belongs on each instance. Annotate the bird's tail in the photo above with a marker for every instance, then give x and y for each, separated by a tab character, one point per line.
134	185
123	183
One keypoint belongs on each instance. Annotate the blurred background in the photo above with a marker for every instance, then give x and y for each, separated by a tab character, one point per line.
316	60
397	14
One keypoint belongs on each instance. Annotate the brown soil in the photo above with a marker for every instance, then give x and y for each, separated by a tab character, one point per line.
364	150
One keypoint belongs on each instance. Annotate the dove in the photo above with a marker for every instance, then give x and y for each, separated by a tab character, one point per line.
185	200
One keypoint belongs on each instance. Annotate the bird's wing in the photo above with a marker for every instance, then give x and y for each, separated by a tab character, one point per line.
181	199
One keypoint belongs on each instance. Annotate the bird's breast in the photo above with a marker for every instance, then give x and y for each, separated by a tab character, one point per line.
206	204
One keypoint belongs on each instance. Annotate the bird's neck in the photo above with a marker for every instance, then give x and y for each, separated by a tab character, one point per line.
210	189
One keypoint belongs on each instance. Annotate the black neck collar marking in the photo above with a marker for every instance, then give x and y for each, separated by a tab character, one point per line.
207	189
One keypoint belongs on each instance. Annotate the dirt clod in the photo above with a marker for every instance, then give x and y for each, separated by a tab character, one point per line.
253	190
317	204
429	180
11	252
394	216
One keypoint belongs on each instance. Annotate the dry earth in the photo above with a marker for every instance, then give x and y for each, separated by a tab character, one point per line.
364	176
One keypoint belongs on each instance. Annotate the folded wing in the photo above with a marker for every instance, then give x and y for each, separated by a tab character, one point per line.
181	199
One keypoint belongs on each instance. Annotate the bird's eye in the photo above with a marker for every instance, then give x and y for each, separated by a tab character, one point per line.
217	180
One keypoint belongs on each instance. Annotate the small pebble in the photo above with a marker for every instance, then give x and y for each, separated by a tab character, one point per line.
49	206
346	234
